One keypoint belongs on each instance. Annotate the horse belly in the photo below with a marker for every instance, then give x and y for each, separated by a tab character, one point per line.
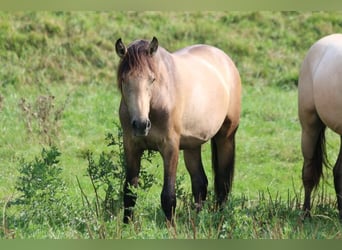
204	115
199	133
329	108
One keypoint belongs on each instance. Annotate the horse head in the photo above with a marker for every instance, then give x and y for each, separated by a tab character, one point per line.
136	77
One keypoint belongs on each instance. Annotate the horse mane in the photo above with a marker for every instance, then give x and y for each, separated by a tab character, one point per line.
135	60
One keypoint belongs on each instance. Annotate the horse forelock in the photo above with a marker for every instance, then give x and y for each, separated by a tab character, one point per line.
136	61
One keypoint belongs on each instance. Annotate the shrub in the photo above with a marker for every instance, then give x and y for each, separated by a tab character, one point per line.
43	198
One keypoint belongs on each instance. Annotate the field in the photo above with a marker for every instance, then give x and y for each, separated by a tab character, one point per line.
60	151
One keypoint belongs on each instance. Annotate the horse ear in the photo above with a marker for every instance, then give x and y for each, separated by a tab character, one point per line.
120	48
153	46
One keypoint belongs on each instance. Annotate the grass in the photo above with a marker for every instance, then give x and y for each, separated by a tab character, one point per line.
272	149
70	56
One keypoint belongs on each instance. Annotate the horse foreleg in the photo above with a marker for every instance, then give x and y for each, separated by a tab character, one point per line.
168	195
199	181
133	159
338	180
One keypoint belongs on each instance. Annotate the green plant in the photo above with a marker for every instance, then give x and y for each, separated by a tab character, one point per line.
107	176
43	198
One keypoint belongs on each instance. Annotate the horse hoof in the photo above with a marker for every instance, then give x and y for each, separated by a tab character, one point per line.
305	215
198	207
170	223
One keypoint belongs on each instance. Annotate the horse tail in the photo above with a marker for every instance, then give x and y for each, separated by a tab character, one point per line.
224	170
321	158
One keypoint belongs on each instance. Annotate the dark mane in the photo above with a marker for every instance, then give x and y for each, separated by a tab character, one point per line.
135	61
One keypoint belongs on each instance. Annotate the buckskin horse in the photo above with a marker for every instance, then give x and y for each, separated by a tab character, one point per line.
320	106
178	101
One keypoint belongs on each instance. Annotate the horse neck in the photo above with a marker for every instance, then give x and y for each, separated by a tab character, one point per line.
167	66
166	86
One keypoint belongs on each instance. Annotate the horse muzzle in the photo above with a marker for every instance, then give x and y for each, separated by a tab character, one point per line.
141	127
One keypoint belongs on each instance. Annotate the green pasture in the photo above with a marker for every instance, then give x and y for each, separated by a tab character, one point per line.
58	89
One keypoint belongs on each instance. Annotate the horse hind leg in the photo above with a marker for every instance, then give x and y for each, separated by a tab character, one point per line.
199	181
313	150
223	161
338	180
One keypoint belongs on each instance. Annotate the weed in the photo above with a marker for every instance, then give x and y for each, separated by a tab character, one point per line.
42	117
107	176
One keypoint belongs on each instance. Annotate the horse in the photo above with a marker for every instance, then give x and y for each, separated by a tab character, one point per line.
319	107
178	101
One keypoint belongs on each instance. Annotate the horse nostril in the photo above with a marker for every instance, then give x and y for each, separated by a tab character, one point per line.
141	125
134	124
148	124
